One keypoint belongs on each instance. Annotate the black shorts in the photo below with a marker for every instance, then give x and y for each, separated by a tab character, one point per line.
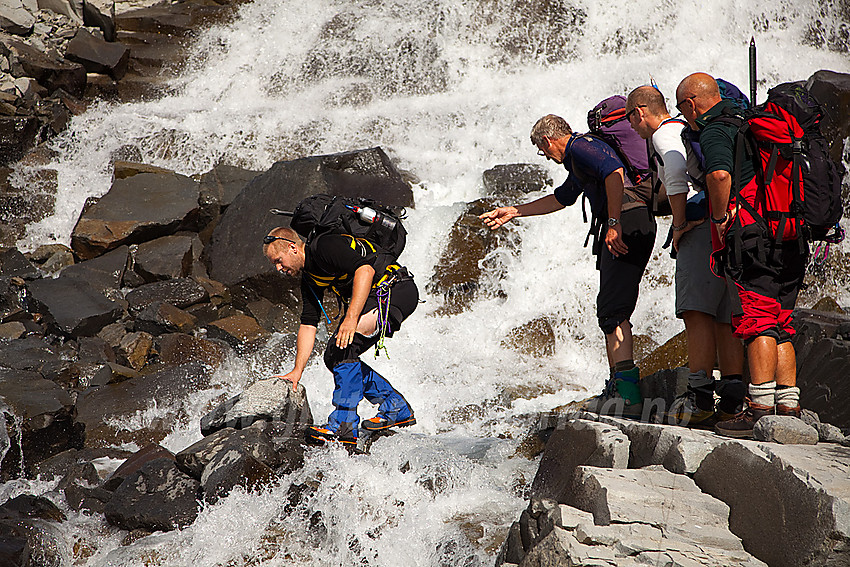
404	298
619	278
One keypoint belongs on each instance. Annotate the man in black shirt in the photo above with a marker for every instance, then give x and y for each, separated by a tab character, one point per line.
378	295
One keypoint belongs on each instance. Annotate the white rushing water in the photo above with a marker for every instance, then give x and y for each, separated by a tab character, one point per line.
448	88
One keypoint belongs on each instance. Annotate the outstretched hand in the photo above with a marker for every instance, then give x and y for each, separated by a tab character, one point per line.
497	217
291	377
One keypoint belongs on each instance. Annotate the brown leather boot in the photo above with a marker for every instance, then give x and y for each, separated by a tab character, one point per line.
741	426
785	410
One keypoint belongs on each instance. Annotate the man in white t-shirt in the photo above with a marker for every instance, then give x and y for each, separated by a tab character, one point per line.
702	299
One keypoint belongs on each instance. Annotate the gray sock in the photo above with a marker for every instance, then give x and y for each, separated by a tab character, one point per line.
764	394
788	396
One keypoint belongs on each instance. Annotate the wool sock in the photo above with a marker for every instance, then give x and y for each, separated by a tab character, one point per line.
763	394
788	396
624	365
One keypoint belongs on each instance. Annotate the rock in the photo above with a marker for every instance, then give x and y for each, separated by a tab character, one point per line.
829	433
823	363
220	186
238	331
180	292
535	338
458	273
164	258
93	499
104	409
253	441
29	506
15	19
806	522
71	306
18	134
70	8
157	497
135	462
832	91
233	468
136	209
13	330
178	348
104	273
234	253
160	317
111	373
179	20
14	264
672	354
266	400
574	443
38	417
31	543
273	317
94	349
32	354
135	348
122	169
786	430
97	55
514	179
51	72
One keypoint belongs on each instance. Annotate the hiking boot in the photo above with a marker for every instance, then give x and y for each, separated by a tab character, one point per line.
741	426
789	411
322	434
621	396
381	423
685	412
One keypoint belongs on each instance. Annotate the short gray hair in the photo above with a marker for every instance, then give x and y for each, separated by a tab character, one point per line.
550	126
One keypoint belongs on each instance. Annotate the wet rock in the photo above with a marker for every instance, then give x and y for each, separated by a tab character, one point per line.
15	18
106	410
29	506
178	20
31	354
164	258
135	462
806	522
178	348
18	134
266	400
94	349
180	292
104	273
822	346
229	469
221	185
71	306
135	348
13	330
111	373
35	543
14	264
513	180
160	317
786	430
234	253
218	293
672	354
574	443
122	169
97	55
459	271
51	72
89	498
157	497
38	416
832	90
136	209
535	338
253	441
239	331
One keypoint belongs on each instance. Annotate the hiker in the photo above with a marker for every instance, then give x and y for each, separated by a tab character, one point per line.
767	274
702	299
379	295
623	236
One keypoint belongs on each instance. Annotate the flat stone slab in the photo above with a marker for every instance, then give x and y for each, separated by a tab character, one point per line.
73	306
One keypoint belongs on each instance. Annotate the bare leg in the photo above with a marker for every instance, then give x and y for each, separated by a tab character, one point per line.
701	345
730	350
763	357
619	345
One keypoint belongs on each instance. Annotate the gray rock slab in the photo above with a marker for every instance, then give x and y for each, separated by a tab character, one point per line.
179	292
160	317
786	430
574	443
97	55
516	178
73	307
157	497
232	468
164	258
51	72
15	19
134	210
105	272
790	504
269	400
251	441
135	462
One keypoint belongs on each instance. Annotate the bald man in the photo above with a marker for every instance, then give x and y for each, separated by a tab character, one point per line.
766	276
702	299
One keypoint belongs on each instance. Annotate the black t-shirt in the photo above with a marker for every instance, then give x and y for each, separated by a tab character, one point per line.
331	260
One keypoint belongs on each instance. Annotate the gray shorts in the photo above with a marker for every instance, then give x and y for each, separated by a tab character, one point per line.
697	288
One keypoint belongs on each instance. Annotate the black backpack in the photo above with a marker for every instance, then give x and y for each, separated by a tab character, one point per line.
361	218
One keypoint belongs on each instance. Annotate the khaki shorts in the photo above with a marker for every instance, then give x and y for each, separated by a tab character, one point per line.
697	288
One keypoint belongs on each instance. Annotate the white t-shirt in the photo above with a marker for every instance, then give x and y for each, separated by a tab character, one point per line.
673	167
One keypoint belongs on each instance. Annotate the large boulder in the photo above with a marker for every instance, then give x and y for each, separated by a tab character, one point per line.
269	400
235	251
51	72
164	258
136	209
18	134
15	18
157	497
36	420
97	55
179	292
104	273
72	306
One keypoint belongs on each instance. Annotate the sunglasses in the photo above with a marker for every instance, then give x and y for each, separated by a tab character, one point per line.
632	111
681	102
268	239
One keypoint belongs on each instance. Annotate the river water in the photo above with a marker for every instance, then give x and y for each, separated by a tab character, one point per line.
448	88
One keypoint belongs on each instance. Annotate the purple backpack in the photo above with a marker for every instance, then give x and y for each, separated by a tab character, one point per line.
607	121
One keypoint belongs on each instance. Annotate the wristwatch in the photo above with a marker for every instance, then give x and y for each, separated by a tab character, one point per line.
613	222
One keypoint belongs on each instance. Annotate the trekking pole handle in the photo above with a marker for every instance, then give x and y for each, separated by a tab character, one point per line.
281	212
